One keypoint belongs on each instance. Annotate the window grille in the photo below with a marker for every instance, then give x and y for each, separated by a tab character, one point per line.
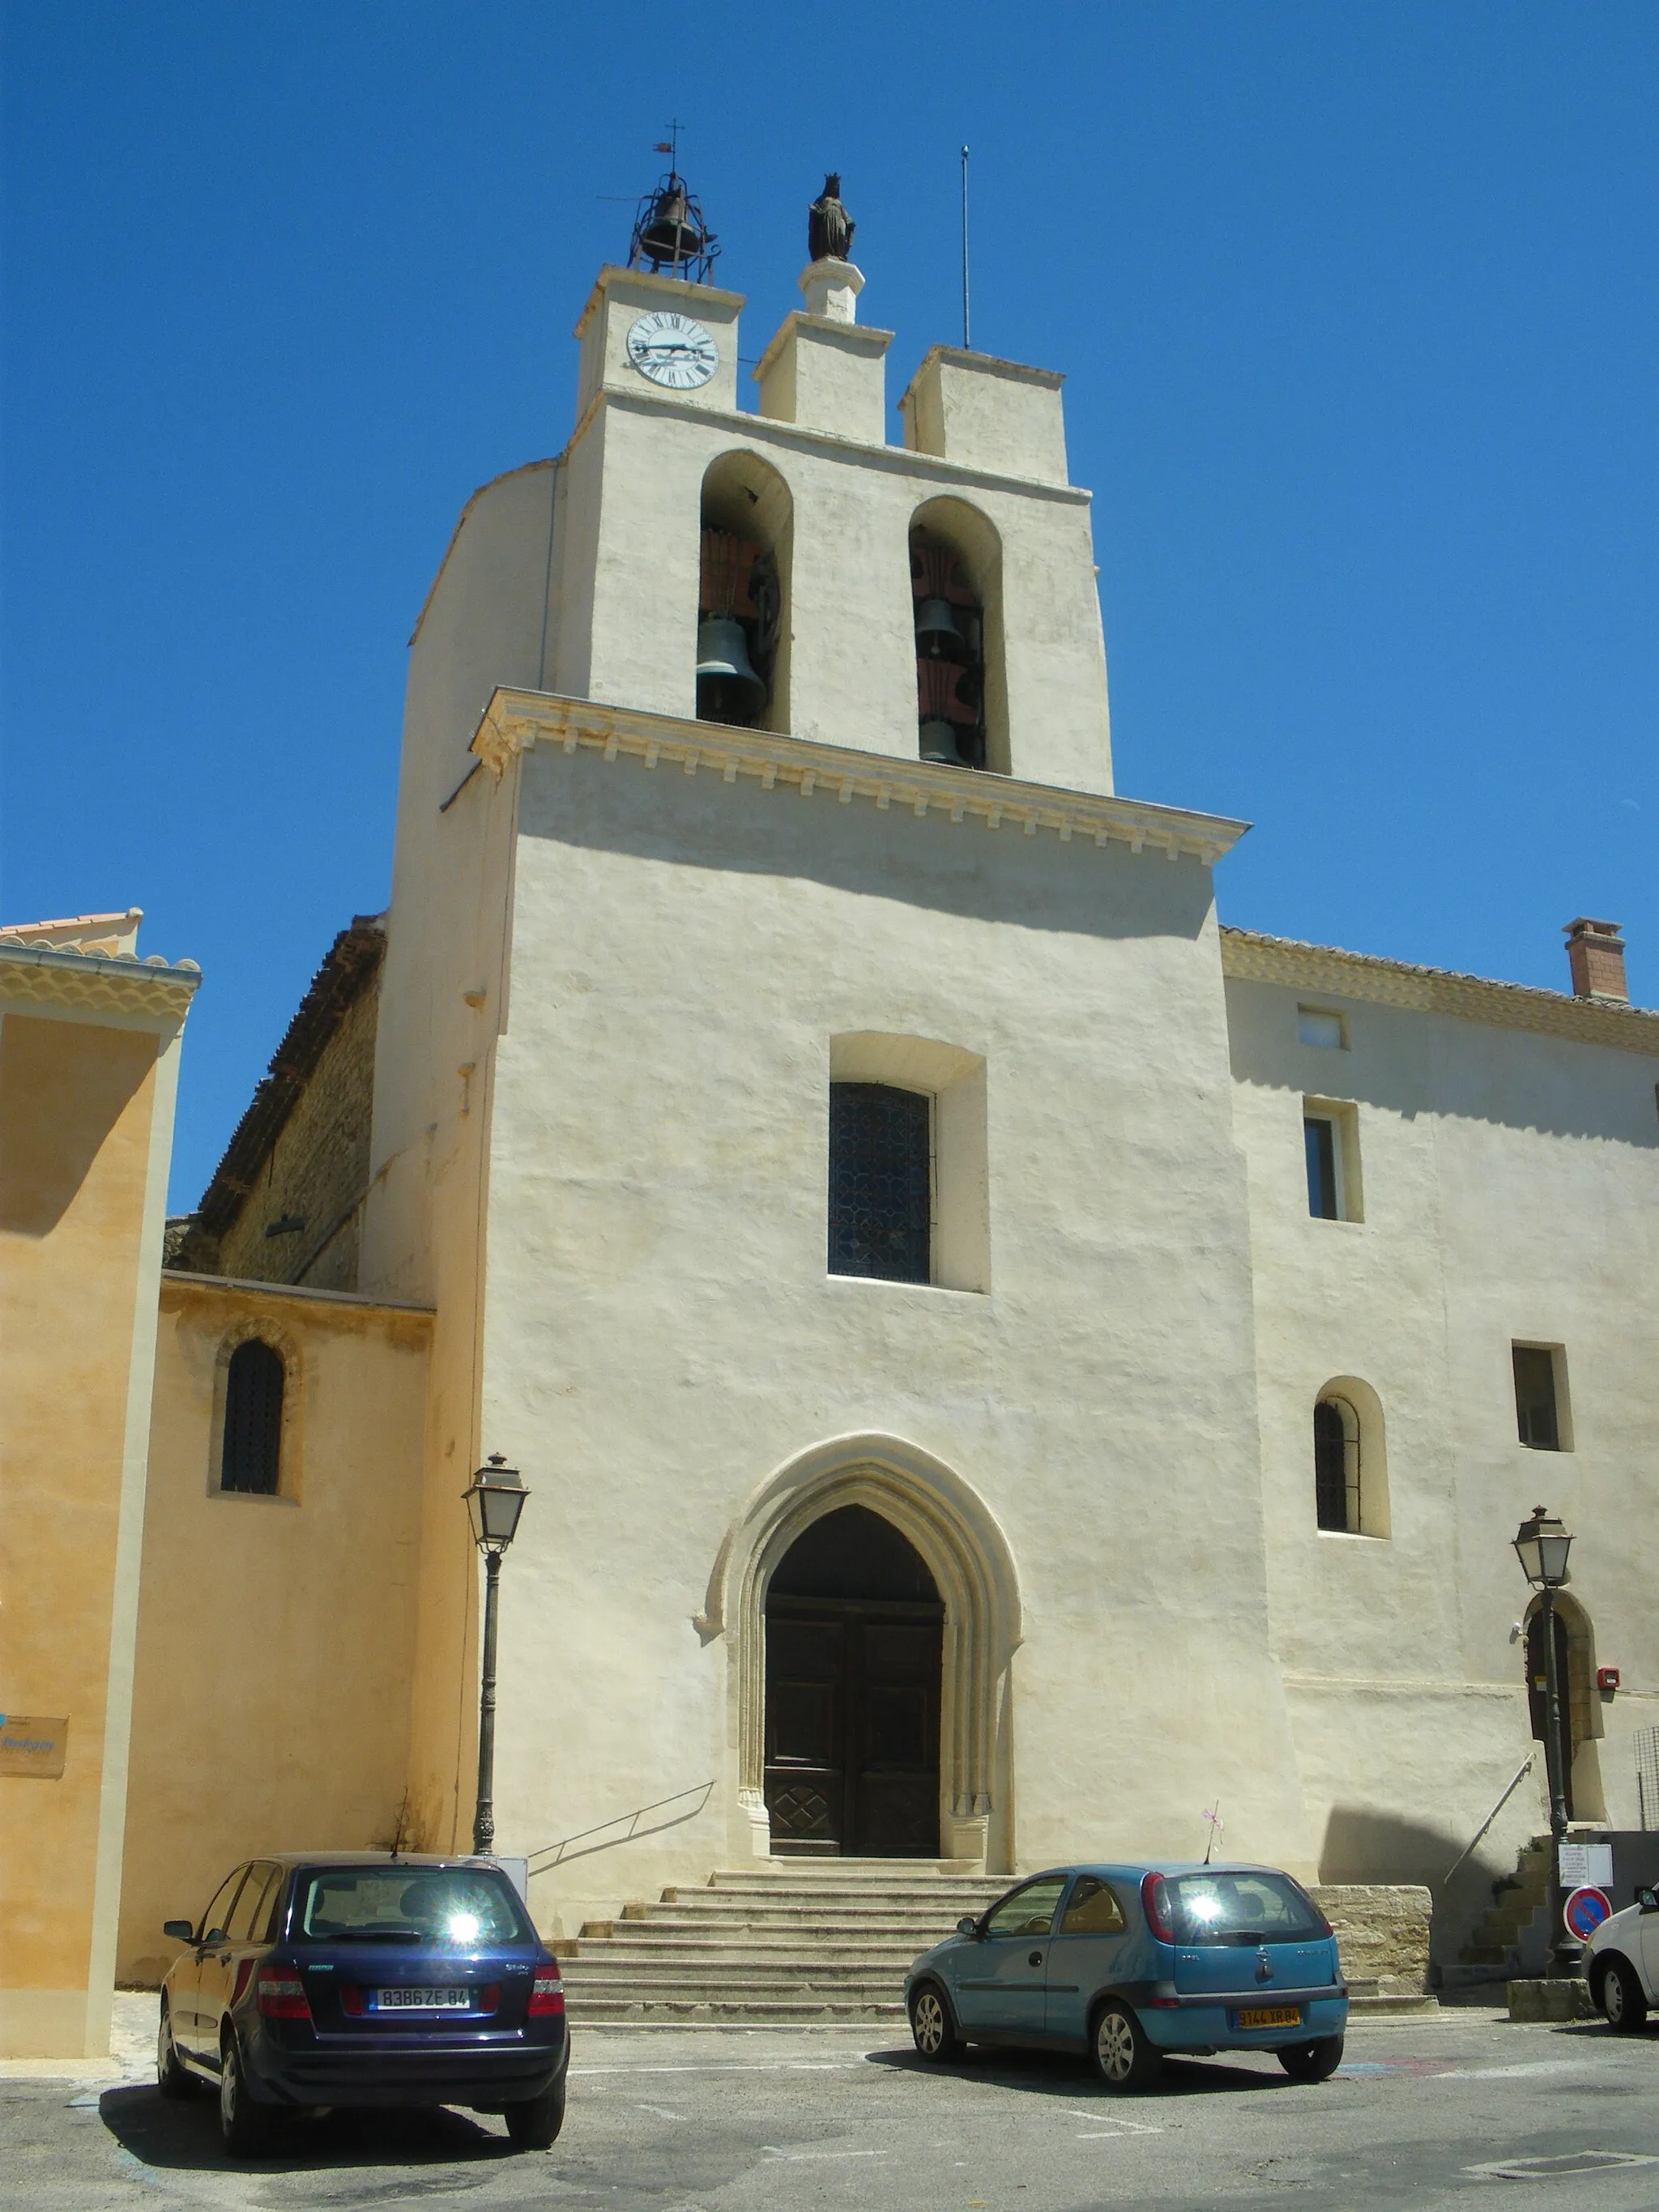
253	1420
1336	1466
880	1182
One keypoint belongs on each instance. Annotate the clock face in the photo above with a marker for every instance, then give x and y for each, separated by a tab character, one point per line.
672	351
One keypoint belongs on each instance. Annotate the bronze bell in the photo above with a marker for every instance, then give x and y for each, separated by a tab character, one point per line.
938	743
728	689
672	236
938	634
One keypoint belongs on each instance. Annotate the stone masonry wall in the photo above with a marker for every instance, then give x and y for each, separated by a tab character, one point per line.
1382	1933
316	1172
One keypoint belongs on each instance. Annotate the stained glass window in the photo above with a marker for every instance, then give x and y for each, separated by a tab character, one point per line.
254	1419
880	1185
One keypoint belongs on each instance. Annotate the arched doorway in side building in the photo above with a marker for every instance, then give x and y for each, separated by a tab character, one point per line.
855	1655
1581	1718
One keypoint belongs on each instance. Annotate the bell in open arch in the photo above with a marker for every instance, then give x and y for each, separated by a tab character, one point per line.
728	689
938	634
938	743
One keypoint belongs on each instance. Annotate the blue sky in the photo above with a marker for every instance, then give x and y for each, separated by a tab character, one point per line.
1356	302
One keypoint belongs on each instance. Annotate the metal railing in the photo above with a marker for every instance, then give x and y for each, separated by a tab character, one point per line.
1520	1772
628	1826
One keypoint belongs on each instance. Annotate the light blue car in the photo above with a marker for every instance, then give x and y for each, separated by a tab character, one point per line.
1130	1963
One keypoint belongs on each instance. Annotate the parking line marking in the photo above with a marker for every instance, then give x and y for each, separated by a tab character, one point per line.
797	2157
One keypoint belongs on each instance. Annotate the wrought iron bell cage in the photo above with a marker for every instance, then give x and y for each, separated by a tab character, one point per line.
670	233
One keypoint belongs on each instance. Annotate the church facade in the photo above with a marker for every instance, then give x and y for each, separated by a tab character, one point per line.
1189	1376
1005	1368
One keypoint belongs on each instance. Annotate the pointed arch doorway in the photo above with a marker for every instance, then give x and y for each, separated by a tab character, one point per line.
855	1658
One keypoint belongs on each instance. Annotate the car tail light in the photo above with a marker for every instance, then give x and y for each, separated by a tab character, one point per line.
489	1998
281	1994
546	1995
1155	1904
351	2000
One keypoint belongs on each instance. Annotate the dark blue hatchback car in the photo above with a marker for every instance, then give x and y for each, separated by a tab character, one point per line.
359	1978
1129	1963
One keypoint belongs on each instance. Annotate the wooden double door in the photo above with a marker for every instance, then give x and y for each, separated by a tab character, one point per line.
851	1726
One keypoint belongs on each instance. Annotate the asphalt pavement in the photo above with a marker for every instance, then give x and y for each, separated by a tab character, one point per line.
1460	2109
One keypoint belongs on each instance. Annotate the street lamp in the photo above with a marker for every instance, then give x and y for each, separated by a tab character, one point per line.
494	1503
1541	1544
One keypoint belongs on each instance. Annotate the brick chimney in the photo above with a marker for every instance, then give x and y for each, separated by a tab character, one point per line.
1595	954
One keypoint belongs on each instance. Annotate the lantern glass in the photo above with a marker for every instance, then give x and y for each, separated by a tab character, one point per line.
494	1504
1541	1544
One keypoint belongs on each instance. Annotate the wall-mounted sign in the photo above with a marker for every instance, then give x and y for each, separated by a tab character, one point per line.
29	1744
1586	1863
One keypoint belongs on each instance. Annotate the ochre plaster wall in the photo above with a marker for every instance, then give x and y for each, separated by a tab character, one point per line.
78	1104
275	1635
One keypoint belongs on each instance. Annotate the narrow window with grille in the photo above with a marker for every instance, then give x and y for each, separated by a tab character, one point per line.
1336	1466
880	1182
253	1420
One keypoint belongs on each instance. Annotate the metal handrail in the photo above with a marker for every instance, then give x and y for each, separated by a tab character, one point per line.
1524	1768
554	1853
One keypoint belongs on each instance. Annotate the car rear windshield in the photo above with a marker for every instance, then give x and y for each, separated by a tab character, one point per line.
1241	1908
467	1906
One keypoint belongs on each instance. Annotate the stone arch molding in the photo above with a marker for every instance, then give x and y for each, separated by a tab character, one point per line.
282	1342
970	1558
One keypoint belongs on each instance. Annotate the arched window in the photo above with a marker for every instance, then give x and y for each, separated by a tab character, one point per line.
956	606
252	1459
743	595
881	1184
1336	1466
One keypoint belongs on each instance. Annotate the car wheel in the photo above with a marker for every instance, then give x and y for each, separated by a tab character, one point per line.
1125	2056
1619	1995
932	2028
171	2078
535	2123
1312	2062
245	2125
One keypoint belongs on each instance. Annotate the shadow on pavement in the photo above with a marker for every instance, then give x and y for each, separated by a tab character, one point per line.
185	2136
1052	2073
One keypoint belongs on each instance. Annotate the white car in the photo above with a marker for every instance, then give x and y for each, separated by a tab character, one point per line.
1621	1962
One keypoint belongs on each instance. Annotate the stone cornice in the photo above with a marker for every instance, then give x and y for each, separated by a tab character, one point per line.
513	722
100	982
1324	968
185	1279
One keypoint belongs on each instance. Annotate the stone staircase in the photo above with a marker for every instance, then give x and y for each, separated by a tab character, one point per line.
791	1942
787	1941
1493	1949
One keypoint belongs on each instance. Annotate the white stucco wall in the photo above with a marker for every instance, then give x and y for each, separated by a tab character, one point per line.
1511	1193
661	1333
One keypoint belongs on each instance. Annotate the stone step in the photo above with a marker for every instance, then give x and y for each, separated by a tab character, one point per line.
640	1937
781	1927
775	1897
813	1866
594	1967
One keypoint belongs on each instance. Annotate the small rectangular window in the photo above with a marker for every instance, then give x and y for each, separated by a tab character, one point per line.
1536	1410
1316	1027
1319	1135
1330	1140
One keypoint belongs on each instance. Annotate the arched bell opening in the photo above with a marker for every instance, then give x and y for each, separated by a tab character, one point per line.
854	1662
743	595
955	600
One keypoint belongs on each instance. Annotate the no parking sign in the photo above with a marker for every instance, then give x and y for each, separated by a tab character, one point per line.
1586	1911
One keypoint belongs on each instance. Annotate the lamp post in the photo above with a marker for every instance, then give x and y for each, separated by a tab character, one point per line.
494	1503
1541	1544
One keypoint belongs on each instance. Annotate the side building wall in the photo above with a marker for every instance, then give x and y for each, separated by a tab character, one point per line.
276	1634
1502	1187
